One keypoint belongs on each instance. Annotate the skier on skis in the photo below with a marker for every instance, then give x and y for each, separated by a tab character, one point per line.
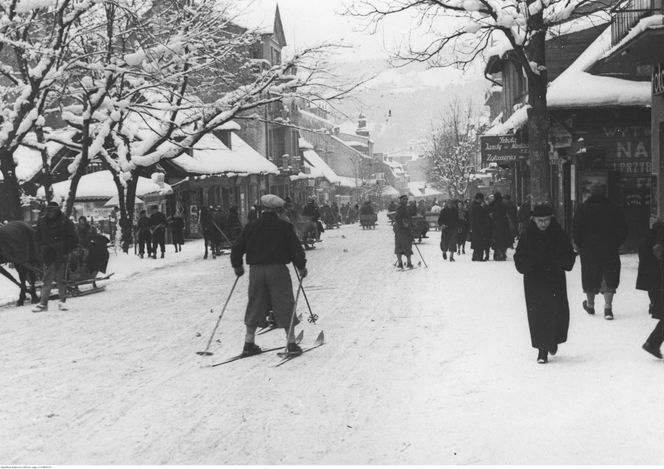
403	239
269	243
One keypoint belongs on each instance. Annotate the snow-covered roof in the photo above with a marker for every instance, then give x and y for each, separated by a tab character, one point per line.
345	181
421	189
211	156
310	115
319	164
100	186
304	145
577	88
389	191
518	119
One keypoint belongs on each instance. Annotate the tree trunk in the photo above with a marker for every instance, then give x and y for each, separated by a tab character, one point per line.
80	170
540	171
12	187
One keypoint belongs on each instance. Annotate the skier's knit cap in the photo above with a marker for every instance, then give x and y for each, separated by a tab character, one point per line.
542	210
52	205
272	201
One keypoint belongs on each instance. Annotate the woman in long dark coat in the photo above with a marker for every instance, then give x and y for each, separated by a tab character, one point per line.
448	220
543	255
650	279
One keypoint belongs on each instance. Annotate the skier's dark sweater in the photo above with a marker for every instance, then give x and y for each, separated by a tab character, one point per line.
264	239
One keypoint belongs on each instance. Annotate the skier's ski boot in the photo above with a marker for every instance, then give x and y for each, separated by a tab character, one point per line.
39	308
251	349
608	314
293	349
554	349
409	266
400	265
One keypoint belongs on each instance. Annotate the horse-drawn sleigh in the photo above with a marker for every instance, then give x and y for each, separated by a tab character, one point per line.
19	249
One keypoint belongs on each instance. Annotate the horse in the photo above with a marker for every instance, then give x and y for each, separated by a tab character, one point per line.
211	224
18	247
305	228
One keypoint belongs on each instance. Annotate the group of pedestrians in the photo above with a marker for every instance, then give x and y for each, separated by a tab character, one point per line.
545	252
492	226
151	232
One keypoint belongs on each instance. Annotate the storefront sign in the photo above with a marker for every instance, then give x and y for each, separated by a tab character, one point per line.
503	149
657	79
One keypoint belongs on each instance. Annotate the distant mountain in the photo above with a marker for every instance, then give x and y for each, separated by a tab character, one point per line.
401	104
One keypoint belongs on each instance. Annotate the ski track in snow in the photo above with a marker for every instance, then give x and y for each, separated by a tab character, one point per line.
430	366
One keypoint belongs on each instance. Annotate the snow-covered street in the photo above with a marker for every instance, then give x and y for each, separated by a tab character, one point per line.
429	366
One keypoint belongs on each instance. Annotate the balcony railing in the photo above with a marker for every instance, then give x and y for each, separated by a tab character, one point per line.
628	14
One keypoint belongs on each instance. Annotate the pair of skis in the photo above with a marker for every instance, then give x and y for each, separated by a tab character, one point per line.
285	356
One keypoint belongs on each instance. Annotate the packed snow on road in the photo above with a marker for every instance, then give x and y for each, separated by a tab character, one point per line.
425	366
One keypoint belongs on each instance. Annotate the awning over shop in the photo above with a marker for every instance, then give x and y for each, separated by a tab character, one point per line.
100	186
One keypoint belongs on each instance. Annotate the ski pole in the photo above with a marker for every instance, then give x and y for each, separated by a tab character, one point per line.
312	317
418	250
206	352
297	296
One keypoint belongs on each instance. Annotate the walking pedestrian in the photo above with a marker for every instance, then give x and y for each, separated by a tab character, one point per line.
464	226
448	220
176	223
500	227
543	255
158	225
649	278
403	238
479	221
143	234
599	228
55	238
523	215
270	244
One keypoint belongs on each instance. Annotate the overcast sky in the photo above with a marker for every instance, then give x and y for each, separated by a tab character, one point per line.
311	22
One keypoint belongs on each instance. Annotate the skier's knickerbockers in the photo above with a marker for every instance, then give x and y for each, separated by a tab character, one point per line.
269	244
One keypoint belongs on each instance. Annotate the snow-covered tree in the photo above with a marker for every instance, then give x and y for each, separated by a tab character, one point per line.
34	40
457	32
453	147
156	79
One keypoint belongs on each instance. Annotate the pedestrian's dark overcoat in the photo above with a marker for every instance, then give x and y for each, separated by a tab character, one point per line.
599	229
650	276
479	226
543	257
500	225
